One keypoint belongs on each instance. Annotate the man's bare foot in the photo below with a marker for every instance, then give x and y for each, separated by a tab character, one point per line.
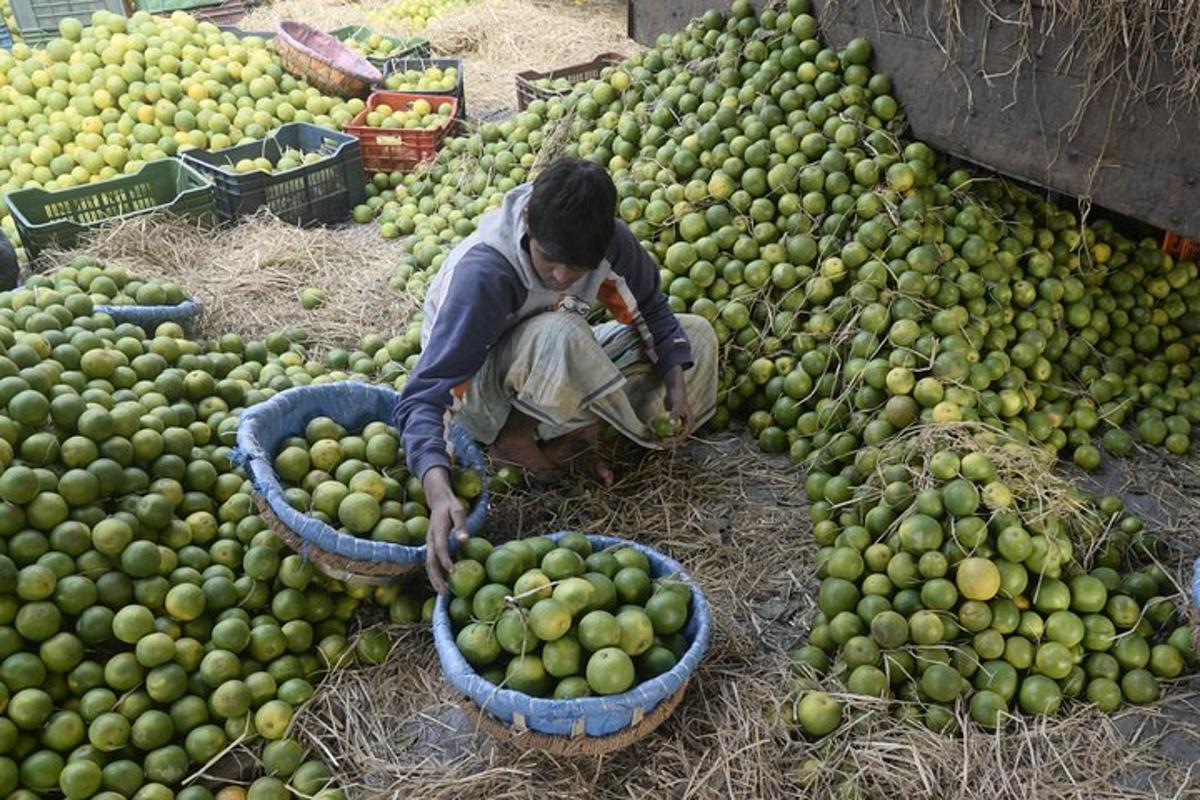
566	448
595	467
517	445
527	455
577	451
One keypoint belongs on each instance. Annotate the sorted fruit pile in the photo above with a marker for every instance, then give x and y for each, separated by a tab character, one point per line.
413	14
154	619
358	482
860	286
430	79
101	100
558	619
418	115
290	158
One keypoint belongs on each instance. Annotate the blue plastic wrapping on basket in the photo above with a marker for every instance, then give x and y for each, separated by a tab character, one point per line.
263	427
149	317
1196	583
601	716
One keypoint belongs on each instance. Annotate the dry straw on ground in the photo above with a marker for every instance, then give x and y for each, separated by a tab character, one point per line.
249	278
495	38
499	38
738	522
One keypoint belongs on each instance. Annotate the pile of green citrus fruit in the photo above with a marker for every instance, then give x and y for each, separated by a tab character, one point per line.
840	265
115	287
470	177
150	618
559	619
947	577
417	115
430	79
100	100
388	360
358	482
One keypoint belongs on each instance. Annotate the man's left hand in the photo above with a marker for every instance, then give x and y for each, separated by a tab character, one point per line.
677	406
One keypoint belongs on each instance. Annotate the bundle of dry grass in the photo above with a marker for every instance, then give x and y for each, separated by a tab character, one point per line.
325	15
1040	496
499	38
249	277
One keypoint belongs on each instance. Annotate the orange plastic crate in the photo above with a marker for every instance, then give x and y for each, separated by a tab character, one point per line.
1182	249
400	149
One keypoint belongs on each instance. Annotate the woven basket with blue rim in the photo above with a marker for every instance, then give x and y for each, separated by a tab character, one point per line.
590	725
185	314
263	427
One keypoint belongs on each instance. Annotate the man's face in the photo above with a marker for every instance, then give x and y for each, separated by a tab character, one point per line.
554	275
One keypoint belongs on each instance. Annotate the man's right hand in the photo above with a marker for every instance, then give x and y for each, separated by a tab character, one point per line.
446	515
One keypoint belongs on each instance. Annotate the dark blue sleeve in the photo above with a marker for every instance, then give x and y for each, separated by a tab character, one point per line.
473	315
631	261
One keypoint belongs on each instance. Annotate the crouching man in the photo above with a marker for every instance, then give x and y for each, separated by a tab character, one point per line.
508	351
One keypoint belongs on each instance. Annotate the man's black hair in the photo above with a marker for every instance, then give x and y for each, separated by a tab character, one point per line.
571	211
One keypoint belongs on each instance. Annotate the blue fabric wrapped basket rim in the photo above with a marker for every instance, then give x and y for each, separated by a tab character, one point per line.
353	405
1196	584
150	316
587	717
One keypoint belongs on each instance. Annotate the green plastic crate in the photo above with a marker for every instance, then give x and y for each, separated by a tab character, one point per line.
405	47
37	20
168	6
58	219
37	38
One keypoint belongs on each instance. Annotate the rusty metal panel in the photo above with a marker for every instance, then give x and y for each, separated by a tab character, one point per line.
961	95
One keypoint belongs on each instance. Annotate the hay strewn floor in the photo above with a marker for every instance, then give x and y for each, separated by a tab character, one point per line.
249	278
738	521
495	38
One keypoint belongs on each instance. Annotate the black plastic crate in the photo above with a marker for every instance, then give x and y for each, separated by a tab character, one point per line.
406	64
323	192
241	34
528	90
